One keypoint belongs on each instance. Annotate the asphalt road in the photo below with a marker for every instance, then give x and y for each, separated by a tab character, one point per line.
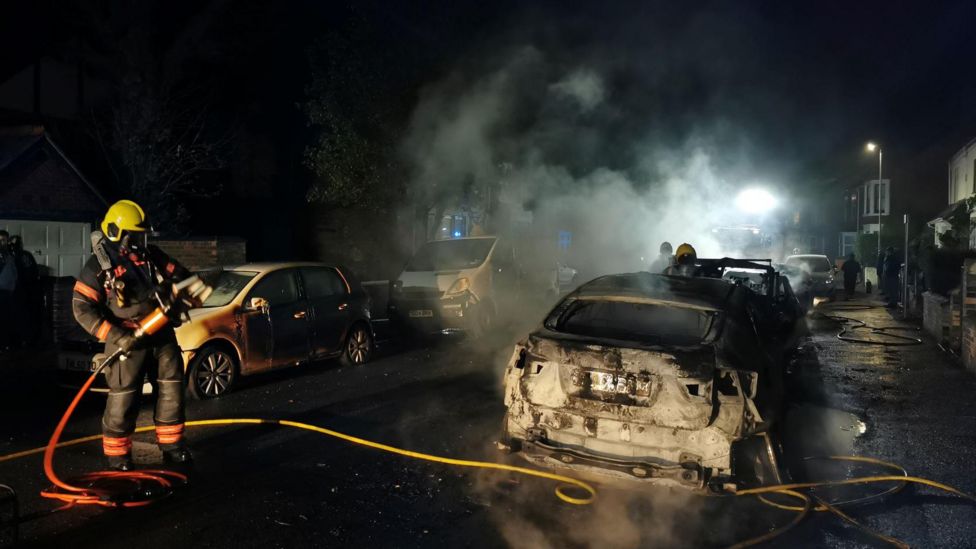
273	487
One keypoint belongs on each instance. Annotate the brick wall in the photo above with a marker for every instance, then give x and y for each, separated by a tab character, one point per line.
205	253
969	343
41	185
936	315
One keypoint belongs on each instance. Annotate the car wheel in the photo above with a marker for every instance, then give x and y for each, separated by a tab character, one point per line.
358	347
755	462
212	373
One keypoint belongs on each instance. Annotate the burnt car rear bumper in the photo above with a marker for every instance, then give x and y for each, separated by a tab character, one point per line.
551	455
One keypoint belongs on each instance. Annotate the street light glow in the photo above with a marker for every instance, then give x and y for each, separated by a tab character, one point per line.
755	201
872	147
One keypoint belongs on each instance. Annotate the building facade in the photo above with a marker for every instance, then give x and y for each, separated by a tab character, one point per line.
961	186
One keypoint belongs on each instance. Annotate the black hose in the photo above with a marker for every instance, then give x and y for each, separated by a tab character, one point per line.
853	324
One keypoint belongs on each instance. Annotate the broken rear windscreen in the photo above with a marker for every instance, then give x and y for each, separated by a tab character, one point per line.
451	255
647	323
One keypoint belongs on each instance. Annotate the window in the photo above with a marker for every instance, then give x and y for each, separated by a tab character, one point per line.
451	255
876	195
278	287
810	263
321	283
640	322
226	286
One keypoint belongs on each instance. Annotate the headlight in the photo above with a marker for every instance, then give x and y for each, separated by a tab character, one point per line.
460	286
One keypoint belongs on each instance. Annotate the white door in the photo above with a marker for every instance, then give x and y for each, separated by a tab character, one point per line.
60	248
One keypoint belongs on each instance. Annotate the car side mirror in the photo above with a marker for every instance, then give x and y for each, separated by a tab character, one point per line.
257	304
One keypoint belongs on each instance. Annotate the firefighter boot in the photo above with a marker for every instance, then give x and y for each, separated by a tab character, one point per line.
176	454
120	463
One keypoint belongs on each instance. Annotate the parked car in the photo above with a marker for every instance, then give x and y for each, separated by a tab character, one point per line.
816	275
658	379
262	316
452	284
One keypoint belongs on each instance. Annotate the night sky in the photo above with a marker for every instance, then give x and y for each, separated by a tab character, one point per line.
798	88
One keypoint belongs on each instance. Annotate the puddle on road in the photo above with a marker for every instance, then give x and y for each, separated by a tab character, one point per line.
811	430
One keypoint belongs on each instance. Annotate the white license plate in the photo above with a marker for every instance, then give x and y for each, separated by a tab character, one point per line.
421	313
76	362
623	384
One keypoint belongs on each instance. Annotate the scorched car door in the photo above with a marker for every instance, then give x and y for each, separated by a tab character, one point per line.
329	305
286	319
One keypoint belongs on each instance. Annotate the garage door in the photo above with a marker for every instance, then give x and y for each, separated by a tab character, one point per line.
60	249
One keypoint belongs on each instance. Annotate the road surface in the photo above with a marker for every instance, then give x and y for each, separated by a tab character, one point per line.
266	486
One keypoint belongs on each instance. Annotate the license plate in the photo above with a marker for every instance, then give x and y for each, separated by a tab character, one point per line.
626	384
76	362
421	313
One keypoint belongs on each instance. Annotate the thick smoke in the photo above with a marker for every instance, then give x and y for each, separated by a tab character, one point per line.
549	138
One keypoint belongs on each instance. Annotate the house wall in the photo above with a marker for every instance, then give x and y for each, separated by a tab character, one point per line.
962	173
42	186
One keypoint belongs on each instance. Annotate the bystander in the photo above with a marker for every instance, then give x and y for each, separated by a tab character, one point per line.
8	282
852	270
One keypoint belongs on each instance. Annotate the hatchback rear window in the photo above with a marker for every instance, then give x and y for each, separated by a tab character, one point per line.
647	323
811	264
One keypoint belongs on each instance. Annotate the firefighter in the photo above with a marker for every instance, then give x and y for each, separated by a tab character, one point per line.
120	284
685	258
664	259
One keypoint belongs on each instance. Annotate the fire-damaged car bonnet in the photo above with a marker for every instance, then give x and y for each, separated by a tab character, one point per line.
640	376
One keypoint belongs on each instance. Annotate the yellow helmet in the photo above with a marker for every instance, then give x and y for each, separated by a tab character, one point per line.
684	251
124	215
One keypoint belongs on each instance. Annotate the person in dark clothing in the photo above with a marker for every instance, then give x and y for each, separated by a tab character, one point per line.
892	267
879	268
8	283
116	289
852	270
26	298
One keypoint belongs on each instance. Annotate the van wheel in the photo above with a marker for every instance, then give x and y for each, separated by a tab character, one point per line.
484	319
212	373
358	347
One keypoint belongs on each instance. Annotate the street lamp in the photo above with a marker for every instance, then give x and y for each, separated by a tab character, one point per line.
871	146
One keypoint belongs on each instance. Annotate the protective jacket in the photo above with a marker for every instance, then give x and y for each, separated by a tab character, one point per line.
116	288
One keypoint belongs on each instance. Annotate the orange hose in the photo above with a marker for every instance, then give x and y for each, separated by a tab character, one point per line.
141	481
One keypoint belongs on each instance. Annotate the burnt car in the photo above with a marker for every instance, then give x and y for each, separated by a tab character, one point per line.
654	378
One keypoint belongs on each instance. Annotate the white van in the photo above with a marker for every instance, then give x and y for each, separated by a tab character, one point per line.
453	285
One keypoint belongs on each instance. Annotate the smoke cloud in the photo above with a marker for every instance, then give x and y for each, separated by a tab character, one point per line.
561	156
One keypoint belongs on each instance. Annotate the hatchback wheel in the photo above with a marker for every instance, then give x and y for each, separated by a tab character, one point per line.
212	373
359	346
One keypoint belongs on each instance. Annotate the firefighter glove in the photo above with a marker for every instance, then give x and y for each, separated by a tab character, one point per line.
126	342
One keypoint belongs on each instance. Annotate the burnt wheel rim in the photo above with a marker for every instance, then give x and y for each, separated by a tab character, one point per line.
215	373
358	347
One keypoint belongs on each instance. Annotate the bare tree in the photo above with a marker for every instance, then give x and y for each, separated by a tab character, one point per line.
158	134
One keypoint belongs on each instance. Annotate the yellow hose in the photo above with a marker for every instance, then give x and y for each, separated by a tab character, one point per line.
790	490
560	490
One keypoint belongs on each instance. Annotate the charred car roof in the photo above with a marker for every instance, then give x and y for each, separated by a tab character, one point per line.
698	292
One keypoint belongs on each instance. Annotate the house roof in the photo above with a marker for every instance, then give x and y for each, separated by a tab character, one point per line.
948	212
15	141
13	146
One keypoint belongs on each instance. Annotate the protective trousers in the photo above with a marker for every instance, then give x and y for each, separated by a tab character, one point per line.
159	357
